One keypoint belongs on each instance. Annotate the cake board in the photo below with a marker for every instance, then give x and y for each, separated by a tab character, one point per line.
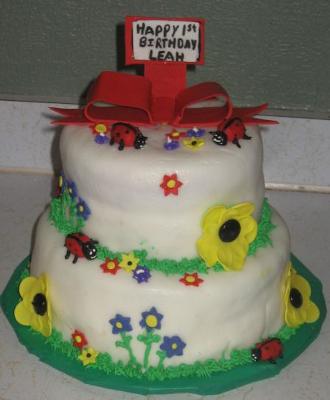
215	384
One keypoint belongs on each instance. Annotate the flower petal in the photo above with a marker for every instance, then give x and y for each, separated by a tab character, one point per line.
22	314
313	313
244	209
26	285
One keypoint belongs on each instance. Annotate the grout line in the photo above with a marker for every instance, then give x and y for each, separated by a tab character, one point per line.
25	171
287	187
292	187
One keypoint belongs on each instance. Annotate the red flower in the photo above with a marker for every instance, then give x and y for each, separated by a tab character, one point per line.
78	339
191	279
110	266
175	135
100	128
171	184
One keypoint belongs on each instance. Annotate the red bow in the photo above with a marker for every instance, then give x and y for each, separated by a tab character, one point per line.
119	97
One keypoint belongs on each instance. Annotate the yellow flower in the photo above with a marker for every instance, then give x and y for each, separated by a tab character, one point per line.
34	310
193	143
298	307
88	356
227	233
129	262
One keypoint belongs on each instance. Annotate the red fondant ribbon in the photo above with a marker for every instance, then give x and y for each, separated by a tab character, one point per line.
119	97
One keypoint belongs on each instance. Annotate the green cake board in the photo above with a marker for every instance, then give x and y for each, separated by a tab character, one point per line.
217	383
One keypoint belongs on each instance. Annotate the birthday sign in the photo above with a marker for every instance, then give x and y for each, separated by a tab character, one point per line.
165	40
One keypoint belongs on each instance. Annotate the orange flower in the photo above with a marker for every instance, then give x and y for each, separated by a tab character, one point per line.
100	128
110	266
191	279
175	135
78	339
171	184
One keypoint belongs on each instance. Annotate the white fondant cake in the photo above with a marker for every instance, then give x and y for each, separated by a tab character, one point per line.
159	257
129	212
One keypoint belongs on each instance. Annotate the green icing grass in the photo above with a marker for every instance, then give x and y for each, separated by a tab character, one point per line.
265	226
63	215
202	369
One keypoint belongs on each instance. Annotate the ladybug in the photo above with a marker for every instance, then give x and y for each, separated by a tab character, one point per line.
269	350
80	246
126	135
231	130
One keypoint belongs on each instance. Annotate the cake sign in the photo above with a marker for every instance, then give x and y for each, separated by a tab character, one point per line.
178	40
166	41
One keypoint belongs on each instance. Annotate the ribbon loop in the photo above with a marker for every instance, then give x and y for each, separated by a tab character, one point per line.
120	97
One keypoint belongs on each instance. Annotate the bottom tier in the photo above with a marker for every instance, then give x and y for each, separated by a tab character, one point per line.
163	321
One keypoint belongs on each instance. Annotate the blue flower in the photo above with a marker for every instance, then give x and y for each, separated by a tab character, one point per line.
141	274
151	319
120	324
173	346
101	139
196	132
171	145
82	209
72	189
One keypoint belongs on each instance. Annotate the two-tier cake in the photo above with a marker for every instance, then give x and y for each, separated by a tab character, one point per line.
159	264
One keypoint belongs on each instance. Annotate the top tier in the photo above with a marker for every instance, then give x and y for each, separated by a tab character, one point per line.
154	198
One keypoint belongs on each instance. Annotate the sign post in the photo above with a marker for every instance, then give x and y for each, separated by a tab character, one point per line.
165	47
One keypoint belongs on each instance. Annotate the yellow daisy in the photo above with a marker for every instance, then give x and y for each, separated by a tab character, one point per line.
226	235
34	310
129	262
298	307
88	356
193	143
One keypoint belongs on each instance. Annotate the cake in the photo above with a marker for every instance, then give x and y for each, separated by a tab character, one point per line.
159	259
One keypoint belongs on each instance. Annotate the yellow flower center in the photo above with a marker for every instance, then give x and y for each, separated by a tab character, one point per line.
100	128
119	325
78	339
151	321
171	184
81	208
190	279
174	346
111	265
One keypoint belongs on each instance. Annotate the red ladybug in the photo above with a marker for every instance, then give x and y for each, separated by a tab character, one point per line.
231	130
269	350
80	246
126	135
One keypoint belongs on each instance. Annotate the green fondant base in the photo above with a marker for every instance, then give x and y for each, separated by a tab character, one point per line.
219	382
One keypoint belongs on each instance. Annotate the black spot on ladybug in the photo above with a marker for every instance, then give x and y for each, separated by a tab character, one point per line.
39	303
269	350
229	231
296	298
81	246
